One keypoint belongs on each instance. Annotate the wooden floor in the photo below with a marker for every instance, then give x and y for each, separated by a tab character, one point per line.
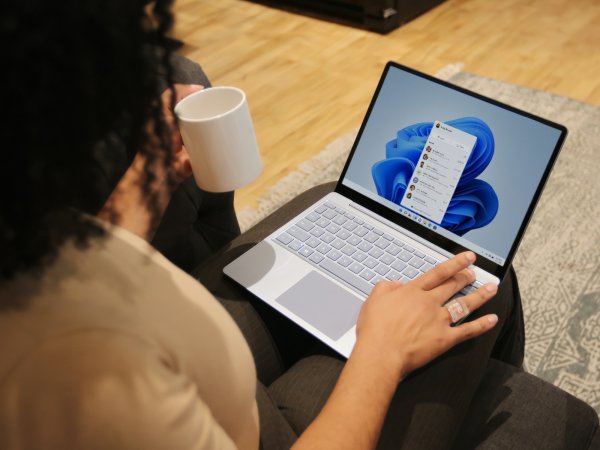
310	81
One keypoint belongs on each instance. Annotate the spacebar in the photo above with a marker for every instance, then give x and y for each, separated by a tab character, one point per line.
337	270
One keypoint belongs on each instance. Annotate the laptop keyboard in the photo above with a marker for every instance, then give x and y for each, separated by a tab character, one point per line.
358	253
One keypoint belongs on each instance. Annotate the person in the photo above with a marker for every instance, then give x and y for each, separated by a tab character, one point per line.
110	345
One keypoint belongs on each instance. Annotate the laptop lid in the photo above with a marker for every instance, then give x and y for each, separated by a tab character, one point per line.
460	170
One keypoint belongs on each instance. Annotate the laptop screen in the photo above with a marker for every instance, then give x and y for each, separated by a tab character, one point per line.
465	168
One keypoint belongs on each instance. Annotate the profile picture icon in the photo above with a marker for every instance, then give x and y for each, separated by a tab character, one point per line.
437	125
428	148
412	187
415	180
409	195
421	164
425	157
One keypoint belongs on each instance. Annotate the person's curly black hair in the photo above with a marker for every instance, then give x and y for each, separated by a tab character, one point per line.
79	81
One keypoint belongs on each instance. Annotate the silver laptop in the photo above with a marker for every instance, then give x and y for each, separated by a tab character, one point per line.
435	170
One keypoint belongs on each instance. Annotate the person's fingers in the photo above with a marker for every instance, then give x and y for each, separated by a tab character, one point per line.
469	330
454	284
477	298
183	90
445	270
474	300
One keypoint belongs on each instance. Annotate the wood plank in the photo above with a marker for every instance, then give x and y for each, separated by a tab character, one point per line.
310	81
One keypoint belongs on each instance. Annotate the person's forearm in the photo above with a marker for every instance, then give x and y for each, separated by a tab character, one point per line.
353	416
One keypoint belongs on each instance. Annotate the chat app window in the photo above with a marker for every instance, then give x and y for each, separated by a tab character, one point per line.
438	171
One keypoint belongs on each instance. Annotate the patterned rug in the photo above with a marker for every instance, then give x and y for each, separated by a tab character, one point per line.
558	262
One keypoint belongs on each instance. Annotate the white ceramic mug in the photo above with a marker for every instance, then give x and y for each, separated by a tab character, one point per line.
217	131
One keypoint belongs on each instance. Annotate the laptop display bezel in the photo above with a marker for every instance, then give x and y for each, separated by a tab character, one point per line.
426	233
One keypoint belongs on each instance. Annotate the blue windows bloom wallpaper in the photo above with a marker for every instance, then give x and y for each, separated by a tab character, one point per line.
474	203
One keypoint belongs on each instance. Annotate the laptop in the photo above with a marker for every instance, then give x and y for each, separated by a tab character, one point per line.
435	170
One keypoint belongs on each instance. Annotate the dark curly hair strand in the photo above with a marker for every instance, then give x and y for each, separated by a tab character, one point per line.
80	83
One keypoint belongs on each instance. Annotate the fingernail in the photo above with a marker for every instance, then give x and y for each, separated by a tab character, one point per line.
491	287
493	319
470	256
472	273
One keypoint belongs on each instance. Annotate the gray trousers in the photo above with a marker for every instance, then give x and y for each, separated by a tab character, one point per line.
474	396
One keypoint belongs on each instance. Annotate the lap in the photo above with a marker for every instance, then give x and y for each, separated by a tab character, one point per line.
435	397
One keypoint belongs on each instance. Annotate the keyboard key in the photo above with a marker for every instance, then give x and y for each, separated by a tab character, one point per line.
364	246
419	254
410	272
330	214
285	238
349	216
323	248
408	248
382	269
405	280
361	231
356	267
343	234
393	249
398	243
377	279
367	274
426	267
321	209
323	222
350	226
348	250
344	275
327	238
359	256
330	205
405	256
334	254
388	237
306	251
313	242
333	228
377	232
340	220
416	262
295	245
399	266
358	221
313	216
316	231
338	244
344	261
370	263
468	289
299	234
306	225
430	260
316	257
387	259
382	243
393	275
371	237
375	252
353	240
367	226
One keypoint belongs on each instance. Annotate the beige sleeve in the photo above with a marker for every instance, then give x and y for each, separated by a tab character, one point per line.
102	390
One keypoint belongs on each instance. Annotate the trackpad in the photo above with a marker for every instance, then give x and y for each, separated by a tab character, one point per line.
326	306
